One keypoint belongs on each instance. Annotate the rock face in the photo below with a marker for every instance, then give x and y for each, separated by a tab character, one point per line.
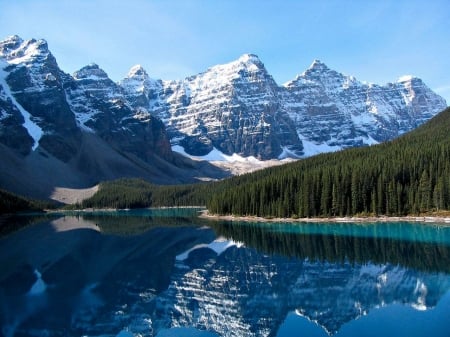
234	107
238	108
333	111
33	83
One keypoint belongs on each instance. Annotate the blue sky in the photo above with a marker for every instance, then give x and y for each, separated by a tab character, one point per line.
374	40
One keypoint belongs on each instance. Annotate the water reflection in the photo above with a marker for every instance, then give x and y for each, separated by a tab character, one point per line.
164	273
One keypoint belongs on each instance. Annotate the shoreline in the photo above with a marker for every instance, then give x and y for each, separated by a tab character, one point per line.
427	219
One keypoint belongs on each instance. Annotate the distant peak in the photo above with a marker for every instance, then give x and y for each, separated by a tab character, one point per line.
137	70
40	44
10	43
406	78
12	39
249	58
90	71
318	65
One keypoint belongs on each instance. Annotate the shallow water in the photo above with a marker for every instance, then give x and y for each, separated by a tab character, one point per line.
168	273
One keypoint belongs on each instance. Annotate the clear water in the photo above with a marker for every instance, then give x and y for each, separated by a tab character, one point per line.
167	273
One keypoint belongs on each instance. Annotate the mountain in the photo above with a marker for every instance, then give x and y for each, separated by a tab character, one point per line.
79	128
239	108
85	128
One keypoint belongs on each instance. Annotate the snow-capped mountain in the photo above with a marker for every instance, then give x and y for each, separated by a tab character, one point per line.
234	108
81	128
231	109
238	108
333	111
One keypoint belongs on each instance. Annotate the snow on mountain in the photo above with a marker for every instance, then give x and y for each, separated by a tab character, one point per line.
80	127
34	130
235	108
34	84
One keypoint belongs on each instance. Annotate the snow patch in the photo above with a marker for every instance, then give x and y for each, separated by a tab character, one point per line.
216	155
287	153
311	148
39	286
33	129
421	290
219	245
405	78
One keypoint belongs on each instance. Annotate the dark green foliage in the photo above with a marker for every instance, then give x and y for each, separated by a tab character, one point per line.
137	193
11	203
409	175
341	248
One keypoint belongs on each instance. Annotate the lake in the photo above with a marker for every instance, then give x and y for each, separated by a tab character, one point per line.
168	273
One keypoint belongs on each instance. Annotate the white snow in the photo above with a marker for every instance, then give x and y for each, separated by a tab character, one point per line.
311	148
39	286
216	155
287	153
182	331
30	50
33	129
219	245
405	78
421	290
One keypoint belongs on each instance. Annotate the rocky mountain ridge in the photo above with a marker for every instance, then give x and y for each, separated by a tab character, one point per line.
235	108
80	128
239	108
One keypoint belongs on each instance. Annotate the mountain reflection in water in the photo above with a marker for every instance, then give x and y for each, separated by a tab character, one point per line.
165	273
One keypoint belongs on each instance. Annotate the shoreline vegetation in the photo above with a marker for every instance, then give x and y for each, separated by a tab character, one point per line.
410	218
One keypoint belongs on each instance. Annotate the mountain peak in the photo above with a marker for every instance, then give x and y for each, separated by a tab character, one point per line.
407	78
137	71
249	58
17	50
91	71
10	43
318	65
13	39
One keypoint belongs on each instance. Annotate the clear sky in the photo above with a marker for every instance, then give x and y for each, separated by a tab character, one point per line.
374	40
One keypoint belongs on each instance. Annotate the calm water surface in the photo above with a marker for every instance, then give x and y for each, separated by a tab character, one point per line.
168	273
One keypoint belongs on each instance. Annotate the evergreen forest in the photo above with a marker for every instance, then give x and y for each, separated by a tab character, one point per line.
407	176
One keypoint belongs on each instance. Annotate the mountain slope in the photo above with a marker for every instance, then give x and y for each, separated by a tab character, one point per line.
409	175
74	131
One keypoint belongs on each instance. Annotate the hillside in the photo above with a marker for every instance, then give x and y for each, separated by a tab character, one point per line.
409	175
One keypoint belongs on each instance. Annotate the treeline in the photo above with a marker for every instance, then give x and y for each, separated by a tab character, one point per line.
409	175
12	203
138	193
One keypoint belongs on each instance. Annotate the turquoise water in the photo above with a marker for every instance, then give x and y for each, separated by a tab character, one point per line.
399	230
165	272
